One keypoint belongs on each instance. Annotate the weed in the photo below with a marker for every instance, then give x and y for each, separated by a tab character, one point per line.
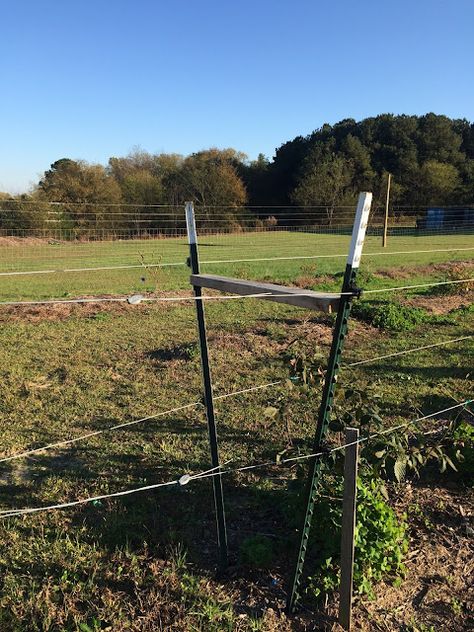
456	606
381	540
256	551
389	316
456	272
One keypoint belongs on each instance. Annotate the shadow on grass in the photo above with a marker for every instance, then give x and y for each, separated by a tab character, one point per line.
159	517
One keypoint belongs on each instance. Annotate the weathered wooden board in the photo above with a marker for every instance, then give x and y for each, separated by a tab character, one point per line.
309	299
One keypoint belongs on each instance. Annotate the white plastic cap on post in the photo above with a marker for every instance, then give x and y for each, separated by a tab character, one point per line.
360	227
191	223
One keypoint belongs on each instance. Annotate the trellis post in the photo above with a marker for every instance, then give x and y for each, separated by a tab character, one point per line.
348	291
208	395
349	502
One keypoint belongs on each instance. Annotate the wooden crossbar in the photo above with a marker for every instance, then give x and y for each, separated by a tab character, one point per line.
319	301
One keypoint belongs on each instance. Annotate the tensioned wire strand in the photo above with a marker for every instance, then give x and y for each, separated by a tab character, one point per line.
197	206
408	351
217	471
340	447
130	251
59	444
251	389
144	266
269	294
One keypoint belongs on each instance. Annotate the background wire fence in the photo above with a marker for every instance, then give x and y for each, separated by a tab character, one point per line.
114	249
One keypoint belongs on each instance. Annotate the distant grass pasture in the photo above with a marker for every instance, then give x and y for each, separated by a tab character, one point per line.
31	255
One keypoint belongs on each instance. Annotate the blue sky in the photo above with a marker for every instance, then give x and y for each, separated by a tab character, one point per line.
93	79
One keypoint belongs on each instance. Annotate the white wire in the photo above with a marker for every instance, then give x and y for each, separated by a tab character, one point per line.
161	299
248	390
212	472
364	254
224	261
409	287
59	444
340	447
126	424
400	353
173	299
18	512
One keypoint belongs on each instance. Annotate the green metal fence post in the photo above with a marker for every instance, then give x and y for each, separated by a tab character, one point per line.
340	330
208	396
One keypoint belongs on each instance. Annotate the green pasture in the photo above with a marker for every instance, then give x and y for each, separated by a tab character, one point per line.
160	263
107	565
146	562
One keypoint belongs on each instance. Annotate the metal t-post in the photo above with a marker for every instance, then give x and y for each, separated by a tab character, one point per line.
340	330
208	397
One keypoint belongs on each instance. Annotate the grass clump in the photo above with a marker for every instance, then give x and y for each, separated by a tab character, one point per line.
390	316
457	272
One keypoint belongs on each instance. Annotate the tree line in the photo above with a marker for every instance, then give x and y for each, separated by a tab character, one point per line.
430	157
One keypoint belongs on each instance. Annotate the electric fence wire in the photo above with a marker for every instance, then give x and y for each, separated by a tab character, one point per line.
339	447
138	298
59	444
218	471
144	267
133	422
408	351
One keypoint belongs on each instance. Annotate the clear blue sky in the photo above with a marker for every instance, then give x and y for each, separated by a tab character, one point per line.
92	79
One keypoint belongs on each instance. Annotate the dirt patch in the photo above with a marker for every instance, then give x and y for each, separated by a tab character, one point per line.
309	282
407	272
28	241
440	305
437	590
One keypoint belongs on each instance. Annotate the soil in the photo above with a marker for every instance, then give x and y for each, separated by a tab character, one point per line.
440	305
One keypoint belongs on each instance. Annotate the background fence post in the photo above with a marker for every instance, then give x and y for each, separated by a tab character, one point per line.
334	362
208	396
351	458
387	202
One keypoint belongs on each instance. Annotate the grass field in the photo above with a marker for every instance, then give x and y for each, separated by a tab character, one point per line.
147	562
36	255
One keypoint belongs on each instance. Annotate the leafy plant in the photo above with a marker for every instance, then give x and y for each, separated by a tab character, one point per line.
305	367
381	540
457	272
256	551
389	316
462	449
393	454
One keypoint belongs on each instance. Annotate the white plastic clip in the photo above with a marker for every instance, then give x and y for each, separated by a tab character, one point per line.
184	480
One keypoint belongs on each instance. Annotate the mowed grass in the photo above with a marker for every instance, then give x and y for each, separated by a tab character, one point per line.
120	564
160	263
146	562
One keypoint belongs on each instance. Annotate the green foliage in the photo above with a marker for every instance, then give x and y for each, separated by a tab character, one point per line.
462	450
256	551
394	454
389	316
428	156
83	189
380	544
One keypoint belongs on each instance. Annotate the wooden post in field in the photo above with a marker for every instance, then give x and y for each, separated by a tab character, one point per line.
387	202
348	526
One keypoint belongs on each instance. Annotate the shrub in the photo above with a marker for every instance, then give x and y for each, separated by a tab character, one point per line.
456	273
462	450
